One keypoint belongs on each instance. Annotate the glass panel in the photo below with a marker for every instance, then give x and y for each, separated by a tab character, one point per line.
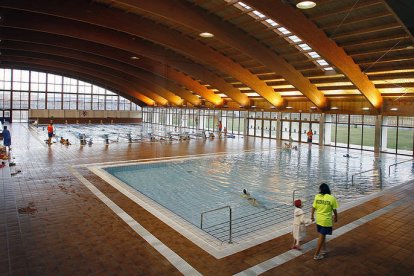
405	140
295	116
342	135
266	128
304	132
390	139
251	127
369	136
305	116
355	135
285	130
294	131
273	125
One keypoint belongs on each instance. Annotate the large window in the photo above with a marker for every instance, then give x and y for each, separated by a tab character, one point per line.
398	134
24	89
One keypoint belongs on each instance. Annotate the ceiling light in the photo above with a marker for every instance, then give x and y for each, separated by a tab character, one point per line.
303	5
394	109
334	108
313	107
365	108
289	107
207	35
134	57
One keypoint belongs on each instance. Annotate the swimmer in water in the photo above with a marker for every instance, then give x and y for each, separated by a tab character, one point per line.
250	199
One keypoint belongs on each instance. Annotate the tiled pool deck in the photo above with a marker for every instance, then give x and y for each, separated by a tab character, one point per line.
80	225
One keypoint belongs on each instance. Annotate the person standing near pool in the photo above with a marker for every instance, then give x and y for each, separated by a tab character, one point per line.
310	136
324	204
6	138
49	133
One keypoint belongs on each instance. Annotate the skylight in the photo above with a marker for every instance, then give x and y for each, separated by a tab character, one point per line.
322	62
271	22
287	35
244	6
283	30
305	47
314	55
295	39
259	14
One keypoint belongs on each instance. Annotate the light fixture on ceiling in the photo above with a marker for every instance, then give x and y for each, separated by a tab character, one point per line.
289	107
134	57
313	107
394	109
365	108
304	5
206	35
334	108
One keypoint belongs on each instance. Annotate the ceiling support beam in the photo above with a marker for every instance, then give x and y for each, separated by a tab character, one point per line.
305	29
198	19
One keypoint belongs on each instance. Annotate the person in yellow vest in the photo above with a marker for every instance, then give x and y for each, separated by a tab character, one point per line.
323	205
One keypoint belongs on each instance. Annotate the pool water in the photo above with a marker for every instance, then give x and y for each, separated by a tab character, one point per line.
191	186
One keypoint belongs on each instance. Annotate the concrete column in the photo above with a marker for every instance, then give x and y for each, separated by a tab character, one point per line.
279	126
321	129
380	140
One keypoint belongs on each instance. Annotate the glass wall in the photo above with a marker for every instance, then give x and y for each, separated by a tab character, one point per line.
21	90
340	130
397	134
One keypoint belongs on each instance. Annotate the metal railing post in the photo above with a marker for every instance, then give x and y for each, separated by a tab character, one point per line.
395	164
230	222
230	219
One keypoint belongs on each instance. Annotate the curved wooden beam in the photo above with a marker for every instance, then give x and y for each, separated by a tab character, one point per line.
149	30
106	52
116	40
141	77
146	89
304	28
88	76
198	19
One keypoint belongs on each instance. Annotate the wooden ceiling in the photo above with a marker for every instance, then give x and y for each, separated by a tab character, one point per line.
345	54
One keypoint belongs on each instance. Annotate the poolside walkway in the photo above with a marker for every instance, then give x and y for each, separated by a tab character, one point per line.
60	219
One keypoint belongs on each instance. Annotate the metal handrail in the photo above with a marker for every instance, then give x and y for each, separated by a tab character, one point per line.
389	167
230	219
352	178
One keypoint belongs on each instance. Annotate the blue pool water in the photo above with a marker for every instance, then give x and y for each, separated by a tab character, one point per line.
191	186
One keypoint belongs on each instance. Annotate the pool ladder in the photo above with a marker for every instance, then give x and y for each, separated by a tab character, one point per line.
217	209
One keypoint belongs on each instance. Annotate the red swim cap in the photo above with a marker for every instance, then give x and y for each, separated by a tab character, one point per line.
298	203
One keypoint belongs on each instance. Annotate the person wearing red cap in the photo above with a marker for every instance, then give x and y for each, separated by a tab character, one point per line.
299	225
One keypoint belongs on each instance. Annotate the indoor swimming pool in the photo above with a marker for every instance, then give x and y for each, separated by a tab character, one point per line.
213	184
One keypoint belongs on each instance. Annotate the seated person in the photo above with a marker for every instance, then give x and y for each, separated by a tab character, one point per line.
62	140
211	136
66	142
2	164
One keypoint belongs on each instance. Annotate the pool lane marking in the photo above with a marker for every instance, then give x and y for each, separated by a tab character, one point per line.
179	263
291	254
